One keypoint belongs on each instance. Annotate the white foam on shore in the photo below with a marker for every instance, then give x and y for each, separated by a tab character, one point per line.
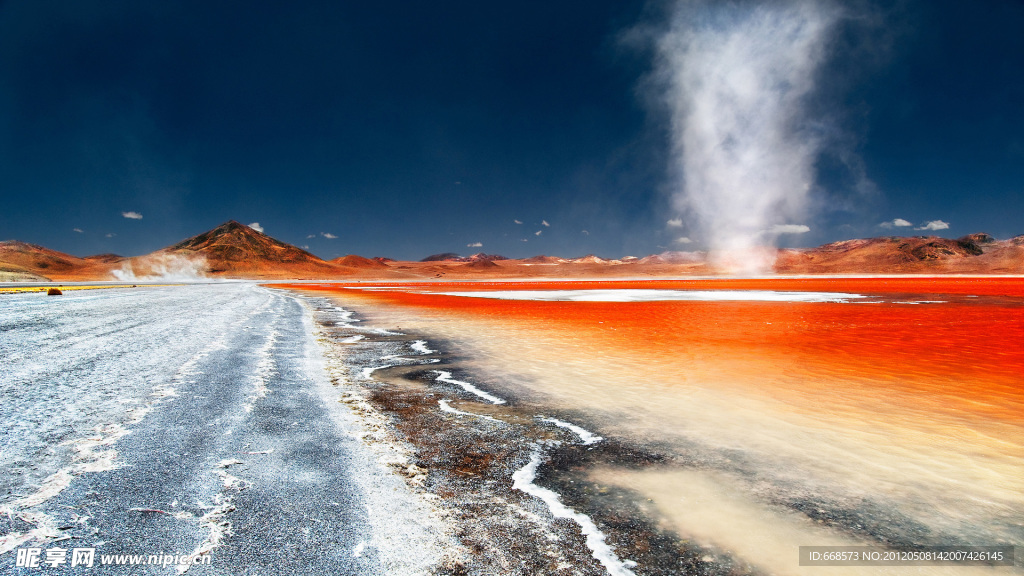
367	373
586	436
446	407
344	316
444	376
421	347
522	480
644	295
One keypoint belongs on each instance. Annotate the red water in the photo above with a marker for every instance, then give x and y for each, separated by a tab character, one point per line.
918	408
967	353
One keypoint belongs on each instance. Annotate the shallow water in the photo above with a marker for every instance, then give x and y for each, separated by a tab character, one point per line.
893	418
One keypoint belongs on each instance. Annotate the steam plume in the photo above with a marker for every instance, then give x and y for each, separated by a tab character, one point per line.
737	76
163	267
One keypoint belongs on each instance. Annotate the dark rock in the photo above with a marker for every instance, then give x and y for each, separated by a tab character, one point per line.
443	257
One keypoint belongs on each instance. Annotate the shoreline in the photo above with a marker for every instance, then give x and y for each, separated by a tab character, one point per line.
507	475
416	378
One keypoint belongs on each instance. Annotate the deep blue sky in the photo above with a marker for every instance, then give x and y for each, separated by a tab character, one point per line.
411	128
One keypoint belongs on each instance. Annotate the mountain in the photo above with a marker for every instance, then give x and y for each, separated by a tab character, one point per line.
21	261
453	257
589	259
107	258
443	257
234	242
482	257
233	250
353	261
542	259
972	254
481	265
236	250
15	273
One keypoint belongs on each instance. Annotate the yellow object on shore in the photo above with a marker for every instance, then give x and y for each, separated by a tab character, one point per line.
20	289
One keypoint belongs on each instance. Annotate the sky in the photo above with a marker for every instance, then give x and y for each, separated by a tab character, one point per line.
404	129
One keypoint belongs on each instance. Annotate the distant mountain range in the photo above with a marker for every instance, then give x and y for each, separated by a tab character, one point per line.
971	254
453	257
234	250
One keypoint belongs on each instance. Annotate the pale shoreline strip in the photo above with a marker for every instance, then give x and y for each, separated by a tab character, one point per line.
586	437
648	295
522	480
420	346
446	377
446	407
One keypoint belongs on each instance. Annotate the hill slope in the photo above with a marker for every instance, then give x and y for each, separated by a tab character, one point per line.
233	250
236	250
971	254
22	261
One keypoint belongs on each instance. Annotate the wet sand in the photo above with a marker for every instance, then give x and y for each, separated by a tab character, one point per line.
894	421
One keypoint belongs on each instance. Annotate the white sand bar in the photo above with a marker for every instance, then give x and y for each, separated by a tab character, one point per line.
641	295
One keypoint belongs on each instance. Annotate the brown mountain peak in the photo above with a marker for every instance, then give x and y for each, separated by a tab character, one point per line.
230	231
354	261
235	242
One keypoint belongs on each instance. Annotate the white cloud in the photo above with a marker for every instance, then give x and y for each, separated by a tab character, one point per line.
518	221
545	223
328	235
79	230
304	246
790	229
675	222
310	236
538	233
683	240
523	240
256	226
111	235
585	233
474	245
934	225
898	222
132	215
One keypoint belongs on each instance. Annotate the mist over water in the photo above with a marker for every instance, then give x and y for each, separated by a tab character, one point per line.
736	78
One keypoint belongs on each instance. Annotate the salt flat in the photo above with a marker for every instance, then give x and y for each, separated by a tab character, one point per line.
190	419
